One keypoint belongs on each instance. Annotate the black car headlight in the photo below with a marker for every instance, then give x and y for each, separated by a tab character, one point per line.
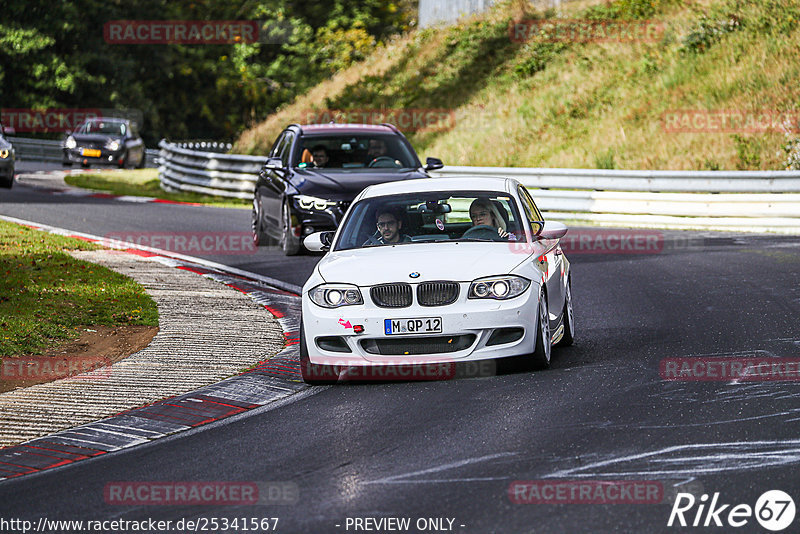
336	295
112	145
70	142
498	287
4	153
306	202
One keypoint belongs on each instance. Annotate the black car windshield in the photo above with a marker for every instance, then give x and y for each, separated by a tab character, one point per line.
437	217
353	152
103	127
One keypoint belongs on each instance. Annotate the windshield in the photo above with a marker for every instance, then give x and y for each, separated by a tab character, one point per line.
103	127
363	151
432	218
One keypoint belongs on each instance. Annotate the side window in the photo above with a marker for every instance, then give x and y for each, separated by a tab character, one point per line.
531	211
276	148
286	149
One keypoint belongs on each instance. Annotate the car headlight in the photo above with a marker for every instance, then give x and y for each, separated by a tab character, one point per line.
306	202
498	287
336	295
4	153
112	145
70	142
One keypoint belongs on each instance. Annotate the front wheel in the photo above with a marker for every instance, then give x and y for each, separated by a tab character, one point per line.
568	319
289	242
540	358
260	237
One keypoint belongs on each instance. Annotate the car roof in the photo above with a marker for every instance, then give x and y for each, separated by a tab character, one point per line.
454	183
334	128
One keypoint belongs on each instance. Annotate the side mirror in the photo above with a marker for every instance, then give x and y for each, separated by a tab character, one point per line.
552	230
432	164
274	164
318	241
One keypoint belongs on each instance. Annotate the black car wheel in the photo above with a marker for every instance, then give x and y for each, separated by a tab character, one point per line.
260	238
124	164
289	242
8	183
540	359
568	318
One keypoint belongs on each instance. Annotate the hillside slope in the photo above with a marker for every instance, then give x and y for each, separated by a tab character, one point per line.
717	87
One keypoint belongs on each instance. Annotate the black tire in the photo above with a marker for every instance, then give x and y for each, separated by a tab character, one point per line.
125	160
290	244
314	374
260	238
568	318
7	183
540	357
66	163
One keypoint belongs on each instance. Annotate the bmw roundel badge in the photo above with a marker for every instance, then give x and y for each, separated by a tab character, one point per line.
414	275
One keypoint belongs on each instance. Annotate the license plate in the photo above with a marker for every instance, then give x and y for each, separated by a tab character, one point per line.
419	325
90	152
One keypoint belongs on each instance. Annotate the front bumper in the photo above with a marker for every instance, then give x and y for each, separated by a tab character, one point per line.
467	327
107	157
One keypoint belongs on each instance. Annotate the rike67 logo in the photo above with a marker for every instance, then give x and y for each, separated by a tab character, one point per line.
774	510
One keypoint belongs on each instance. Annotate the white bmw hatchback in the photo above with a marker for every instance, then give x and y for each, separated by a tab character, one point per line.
436	271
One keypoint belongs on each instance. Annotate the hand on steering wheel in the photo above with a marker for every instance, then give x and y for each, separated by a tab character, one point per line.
382	159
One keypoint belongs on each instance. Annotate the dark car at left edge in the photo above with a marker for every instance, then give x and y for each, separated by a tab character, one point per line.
7	158
314	172
105	141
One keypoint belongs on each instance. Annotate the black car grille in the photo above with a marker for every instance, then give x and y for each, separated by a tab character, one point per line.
90	144
437	293
403	346
391	295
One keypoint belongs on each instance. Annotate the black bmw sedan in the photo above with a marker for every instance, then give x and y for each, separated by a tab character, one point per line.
6	160
315	171
104	140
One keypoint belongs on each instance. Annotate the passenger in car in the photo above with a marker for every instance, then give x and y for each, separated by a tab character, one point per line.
320	156
389	227
483	211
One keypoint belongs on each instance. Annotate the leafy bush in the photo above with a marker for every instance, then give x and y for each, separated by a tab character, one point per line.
708	31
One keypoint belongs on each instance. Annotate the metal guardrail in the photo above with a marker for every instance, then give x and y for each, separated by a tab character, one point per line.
209	173
759	201
756	201
29	149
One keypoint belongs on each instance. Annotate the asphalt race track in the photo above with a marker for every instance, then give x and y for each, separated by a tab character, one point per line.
452	450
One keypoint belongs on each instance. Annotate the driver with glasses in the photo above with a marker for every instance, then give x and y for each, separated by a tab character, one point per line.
389	226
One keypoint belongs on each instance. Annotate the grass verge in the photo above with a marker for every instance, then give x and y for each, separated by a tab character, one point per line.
46	295
144	183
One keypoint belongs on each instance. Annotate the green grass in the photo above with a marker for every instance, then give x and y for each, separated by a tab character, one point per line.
46	295
145	183
582	105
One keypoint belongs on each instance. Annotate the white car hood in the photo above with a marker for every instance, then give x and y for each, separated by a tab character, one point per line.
462	262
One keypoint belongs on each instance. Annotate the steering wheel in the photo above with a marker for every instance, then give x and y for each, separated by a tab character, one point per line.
483	231
381	161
